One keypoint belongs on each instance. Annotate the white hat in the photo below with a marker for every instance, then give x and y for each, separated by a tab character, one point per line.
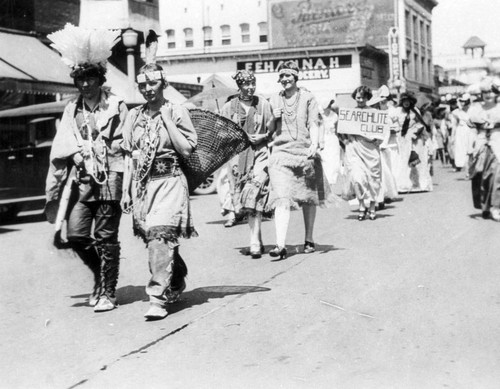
383	93
464	97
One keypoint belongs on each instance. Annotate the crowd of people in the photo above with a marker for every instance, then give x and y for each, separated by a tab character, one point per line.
130	161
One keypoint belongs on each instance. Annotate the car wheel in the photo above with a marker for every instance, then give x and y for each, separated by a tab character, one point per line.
209	186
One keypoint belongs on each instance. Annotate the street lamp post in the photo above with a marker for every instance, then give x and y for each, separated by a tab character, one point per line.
129	39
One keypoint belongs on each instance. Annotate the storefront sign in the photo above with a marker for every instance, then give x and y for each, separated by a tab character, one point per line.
394	57
311	68
371	123
309	23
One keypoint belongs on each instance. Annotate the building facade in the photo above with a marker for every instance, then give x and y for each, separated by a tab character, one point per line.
338	45
415	24
470	67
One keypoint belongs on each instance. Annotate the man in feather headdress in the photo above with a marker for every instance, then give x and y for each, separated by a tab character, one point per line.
86	150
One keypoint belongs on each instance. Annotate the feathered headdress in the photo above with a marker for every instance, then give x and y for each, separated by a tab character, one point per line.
150	59
80	47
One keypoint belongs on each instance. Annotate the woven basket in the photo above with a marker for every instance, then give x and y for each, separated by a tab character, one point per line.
219	140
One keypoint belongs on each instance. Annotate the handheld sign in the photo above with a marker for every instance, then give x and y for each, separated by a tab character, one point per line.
370	123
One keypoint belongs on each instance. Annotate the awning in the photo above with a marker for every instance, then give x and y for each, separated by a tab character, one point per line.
55	107
27	65
117	82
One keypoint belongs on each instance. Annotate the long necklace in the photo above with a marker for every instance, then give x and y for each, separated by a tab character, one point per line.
290	114
98	171
149	139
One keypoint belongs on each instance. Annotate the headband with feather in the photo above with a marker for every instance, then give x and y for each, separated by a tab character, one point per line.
80	47
150	59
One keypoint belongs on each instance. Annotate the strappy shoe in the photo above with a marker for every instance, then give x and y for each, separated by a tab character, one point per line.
372	215
362	214
309	247
278	252
256	254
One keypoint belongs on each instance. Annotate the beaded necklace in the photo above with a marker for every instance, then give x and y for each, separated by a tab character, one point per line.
290	114
90	153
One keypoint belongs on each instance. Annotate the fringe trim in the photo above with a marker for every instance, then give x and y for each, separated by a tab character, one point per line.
168	233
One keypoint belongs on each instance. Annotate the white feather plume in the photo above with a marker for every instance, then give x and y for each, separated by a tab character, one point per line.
79	46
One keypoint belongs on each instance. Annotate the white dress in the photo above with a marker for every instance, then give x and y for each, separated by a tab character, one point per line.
331	154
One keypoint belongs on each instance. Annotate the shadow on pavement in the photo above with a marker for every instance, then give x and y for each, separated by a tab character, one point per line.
291	251
131	293
4	230
481	216
379	216
200	296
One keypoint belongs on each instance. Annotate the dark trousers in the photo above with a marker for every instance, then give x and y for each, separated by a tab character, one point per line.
103	215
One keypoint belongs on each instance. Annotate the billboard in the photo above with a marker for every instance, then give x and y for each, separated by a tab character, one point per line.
306	23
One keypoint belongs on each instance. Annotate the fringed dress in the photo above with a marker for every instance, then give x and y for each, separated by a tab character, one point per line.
160	194
296	179
248	172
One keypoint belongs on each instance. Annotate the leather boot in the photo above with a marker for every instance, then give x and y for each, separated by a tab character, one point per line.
110	257
90	257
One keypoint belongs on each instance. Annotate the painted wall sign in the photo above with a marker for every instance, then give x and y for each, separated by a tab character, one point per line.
306	23
311	68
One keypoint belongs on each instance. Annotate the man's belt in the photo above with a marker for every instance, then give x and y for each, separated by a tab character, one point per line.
164	167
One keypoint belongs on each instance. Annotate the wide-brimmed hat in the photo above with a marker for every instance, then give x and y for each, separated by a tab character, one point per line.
465	97
382	94
410	96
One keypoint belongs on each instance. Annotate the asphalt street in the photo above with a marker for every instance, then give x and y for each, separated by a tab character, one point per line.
410	300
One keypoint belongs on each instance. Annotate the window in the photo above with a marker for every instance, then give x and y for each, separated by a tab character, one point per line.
407	23
416	63
415	29
423	41
423	70
225	35
171	39
245	33
263	32
207	36
188	37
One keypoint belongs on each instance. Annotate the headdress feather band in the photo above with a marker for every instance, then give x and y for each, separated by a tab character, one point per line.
79	46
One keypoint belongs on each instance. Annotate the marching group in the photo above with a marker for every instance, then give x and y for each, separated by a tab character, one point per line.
130	161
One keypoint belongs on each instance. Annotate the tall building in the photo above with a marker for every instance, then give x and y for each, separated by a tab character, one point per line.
470	67
415	25
338	46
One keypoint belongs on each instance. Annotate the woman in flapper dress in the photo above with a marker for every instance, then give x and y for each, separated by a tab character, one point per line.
295	168
248	172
